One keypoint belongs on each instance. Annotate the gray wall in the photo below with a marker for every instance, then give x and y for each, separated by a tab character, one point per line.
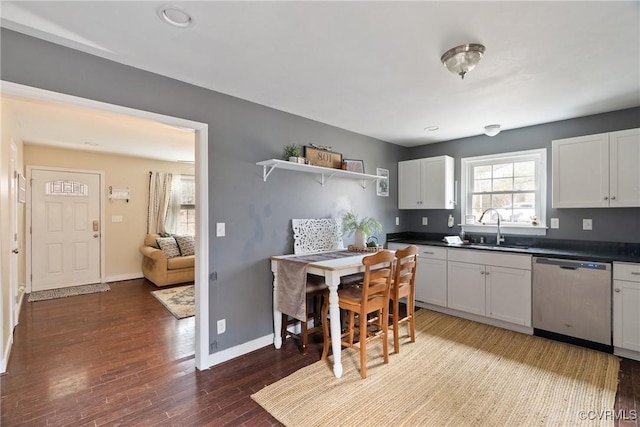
257	214
613	225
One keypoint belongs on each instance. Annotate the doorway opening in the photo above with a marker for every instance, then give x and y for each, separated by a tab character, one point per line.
202	191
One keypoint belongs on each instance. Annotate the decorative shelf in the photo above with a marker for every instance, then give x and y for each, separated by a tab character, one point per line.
326	174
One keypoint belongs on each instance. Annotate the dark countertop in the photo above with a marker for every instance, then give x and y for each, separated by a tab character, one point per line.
566	249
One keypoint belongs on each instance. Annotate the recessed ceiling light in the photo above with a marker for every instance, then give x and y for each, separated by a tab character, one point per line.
431	128
176	16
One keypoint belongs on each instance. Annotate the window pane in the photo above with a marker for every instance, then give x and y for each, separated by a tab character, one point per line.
523	184
503	184
482	186
503	170
525	168
482	172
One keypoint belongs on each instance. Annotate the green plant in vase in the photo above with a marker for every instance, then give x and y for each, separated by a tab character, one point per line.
292	151
363	229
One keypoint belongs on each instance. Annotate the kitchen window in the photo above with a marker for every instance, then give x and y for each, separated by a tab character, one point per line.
513	184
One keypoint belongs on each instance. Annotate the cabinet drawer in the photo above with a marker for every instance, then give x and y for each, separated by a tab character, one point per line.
498	259
626	271
432	252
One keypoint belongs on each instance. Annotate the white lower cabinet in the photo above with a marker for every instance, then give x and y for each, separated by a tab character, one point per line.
508	294
466	287
626	309
431	276
494	285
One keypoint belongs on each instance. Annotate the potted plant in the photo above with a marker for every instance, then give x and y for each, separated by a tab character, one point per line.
363	229
293	153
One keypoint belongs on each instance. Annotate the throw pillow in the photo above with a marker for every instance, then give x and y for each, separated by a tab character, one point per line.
169	246
186	244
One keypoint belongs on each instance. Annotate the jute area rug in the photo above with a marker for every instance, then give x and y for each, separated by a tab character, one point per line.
457	373
180	301
68	292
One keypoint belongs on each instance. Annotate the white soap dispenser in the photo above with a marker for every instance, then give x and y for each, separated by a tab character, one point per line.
450	221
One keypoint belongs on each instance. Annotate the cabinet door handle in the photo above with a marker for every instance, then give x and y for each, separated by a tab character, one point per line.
636	273
606	198
427	253
613	197
617	290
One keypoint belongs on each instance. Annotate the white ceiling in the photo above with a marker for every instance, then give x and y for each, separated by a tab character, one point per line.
73	127
373	67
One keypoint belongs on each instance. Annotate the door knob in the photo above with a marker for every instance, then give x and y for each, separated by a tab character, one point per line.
15	251
96	235
617	289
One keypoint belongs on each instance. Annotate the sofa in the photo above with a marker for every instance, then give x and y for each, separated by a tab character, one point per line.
168	260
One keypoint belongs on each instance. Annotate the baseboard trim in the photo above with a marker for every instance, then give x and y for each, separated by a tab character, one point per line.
476	318
239	350
7	352
121	277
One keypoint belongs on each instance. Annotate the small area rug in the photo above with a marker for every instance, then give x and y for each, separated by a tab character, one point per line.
180	301
457	373
68	292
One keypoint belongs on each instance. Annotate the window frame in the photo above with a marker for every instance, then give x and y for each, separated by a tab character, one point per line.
539	156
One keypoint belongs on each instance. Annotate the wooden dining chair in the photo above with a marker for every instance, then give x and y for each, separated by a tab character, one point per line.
371	297
403	286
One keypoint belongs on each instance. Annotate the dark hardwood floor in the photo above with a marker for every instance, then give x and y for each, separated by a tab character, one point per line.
120	359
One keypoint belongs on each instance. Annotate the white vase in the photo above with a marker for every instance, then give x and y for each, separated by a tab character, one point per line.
360	239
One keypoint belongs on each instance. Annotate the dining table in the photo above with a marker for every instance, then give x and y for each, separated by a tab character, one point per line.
332	269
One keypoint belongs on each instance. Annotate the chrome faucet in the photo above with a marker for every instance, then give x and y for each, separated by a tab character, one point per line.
498	238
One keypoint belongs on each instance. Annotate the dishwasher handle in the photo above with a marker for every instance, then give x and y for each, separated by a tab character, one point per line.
571	264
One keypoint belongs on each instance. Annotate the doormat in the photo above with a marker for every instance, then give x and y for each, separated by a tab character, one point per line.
180	301
68	292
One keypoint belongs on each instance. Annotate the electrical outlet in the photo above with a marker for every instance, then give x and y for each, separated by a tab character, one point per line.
222	326
425	220
587	224
397	220
555	222
213	345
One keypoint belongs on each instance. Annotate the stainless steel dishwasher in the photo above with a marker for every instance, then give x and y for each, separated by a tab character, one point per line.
572	301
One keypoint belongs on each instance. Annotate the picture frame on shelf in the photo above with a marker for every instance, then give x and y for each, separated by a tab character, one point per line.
382	184
353	165
319	157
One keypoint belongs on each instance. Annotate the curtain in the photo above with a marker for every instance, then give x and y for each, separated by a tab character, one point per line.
172	221
160	184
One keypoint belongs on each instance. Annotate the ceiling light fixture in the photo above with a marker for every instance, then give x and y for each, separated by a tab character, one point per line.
431	128
462	59
175	16
492	130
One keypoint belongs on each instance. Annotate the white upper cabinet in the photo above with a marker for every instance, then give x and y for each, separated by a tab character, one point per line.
426	183
597	171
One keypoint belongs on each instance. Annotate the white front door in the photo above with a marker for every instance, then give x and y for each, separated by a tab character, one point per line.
65	220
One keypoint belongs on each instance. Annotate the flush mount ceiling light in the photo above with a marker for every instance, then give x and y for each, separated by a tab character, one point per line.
431	128
175	16
462	59
492	130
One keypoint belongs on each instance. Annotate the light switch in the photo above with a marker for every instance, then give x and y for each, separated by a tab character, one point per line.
587	224
116	218
220	229
397	220
555	222
425	220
